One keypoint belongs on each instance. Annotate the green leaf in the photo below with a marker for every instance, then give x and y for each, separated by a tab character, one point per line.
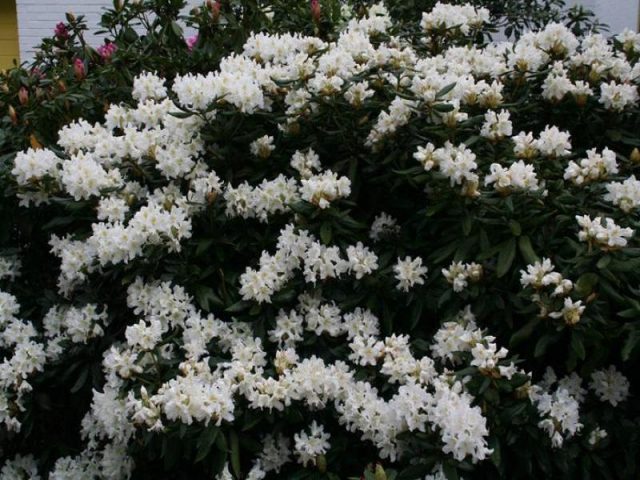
578	346
524	333
238	306
443	107
203	245
205	442
80	381
416	313
235	453
585	284
450	471
630	344
206	297
629	313
604	262
177	29
505	257
325	233
496	456
58	222
515	227
526	249
445	90
415	472
543	344
466	225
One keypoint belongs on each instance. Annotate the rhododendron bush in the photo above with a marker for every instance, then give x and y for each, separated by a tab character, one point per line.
399	254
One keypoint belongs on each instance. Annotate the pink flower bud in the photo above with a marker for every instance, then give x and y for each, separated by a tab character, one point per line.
214	7
61	31
23	95
315	10
107	50
191	41
78	69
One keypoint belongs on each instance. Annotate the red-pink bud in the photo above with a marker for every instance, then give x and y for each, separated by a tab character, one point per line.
23	96
61	31
107	50
315	10
214	7
191	41
78	69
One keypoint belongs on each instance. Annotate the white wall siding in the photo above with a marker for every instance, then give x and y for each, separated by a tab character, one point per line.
38	18
618	14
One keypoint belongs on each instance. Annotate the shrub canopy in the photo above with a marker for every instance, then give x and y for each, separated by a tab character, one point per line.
390	251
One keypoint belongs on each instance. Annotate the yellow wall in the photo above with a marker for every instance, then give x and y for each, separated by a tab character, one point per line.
9	48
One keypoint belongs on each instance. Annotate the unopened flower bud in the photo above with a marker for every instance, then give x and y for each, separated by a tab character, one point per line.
78	69
211	197
33	141
294	128
23	96
635	155
214	8
581	99
71	18
315	10
380	474
62	86
13	115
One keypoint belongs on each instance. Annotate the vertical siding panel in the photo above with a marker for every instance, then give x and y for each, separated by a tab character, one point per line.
37	19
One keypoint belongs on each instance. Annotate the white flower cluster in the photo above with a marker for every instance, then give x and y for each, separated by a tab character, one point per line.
201	394
308	446
32	168
625	195
148	86
19	468
609	236
101	162
389	122
77	325
561	411
23	357
553	142
496	126
268	198
26	354
409	272
305	163
595	167
542	275
9	268
460	274
324	188
558	84
618	96
302	251
263	146
610	385
383	226
456	163
458	17
519	176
